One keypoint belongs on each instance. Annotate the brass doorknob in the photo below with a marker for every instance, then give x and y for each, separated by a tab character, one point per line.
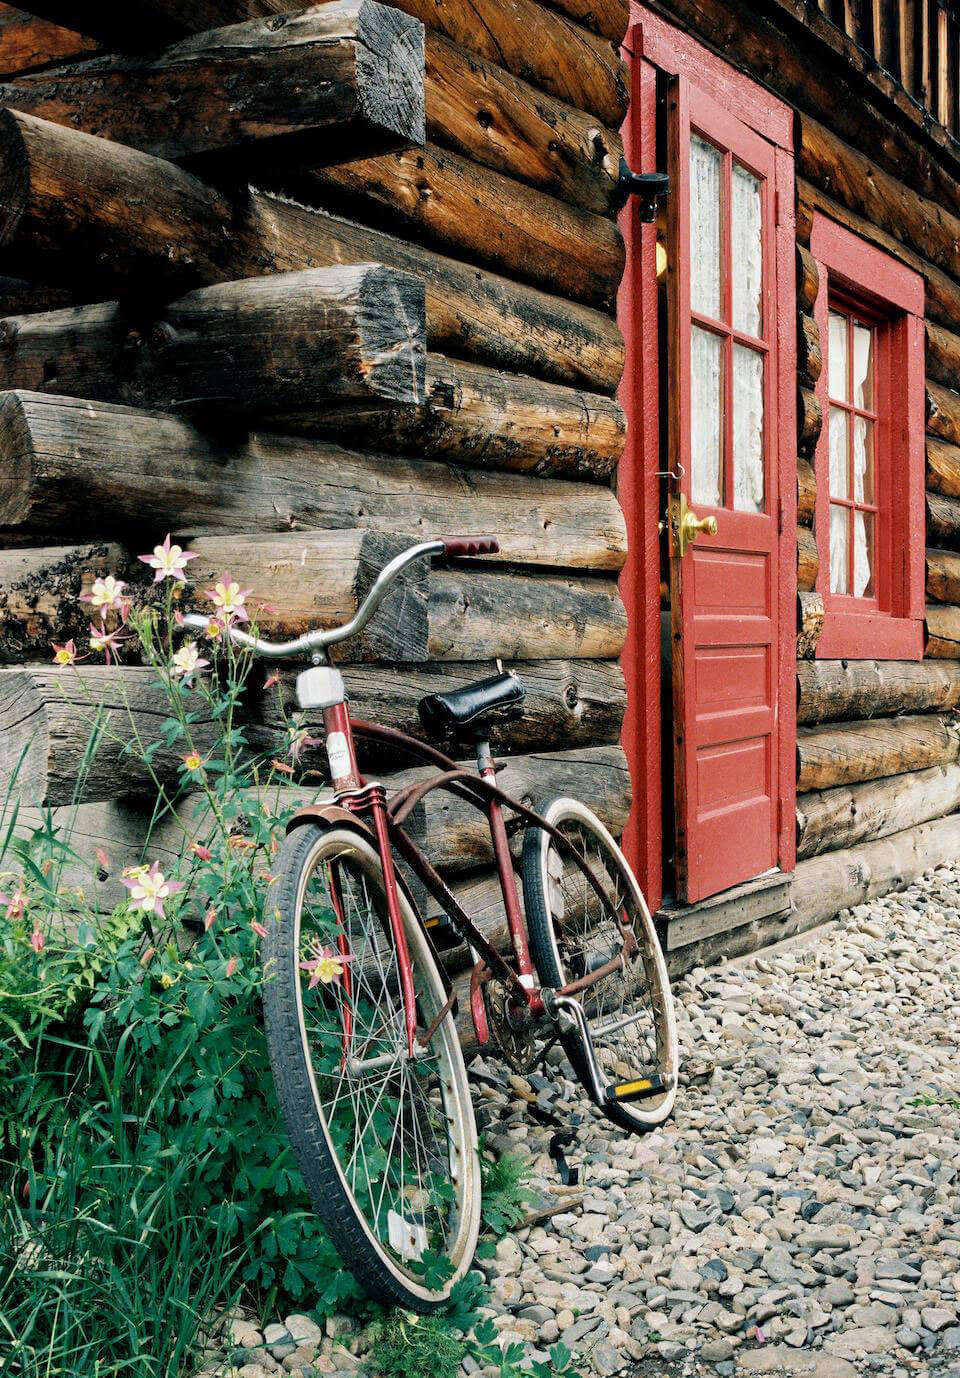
688	526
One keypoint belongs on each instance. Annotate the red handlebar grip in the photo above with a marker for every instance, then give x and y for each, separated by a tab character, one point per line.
470	545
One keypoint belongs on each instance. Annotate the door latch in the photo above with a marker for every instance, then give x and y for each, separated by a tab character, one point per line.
686	526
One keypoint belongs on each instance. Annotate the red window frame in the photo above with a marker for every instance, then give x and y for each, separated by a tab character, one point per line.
862	281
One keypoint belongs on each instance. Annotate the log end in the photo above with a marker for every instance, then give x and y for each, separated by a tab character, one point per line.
14	174
392	329
390	74
24	739
16	452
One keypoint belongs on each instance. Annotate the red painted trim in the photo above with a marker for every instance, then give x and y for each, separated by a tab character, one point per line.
637	488
786	309
890	626
678	53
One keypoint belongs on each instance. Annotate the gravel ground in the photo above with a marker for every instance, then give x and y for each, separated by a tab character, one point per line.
801	1212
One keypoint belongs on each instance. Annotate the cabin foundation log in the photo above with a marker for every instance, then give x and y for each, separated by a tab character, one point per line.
830	690
849	814
74	206
843	753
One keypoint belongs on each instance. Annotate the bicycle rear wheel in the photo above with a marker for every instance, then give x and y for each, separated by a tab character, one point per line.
629	1022
386	1143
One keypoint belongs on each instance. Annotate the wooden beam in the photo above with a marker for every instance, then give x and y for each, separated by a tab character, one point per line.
459	206
832	689
943	355
844	752
943	576
808	280
337	80
27	43
74	207
943	520
69	464
808	559
806	492
809	353
943	468
943	413
810	615
842	817
40	594
942	631
809	421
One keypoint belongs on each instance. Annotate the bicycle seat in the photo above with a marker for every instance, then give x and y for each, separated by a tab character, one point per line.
500	695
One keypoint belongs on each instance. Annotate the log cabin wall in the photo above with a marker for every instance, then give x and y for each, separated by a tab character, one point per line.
303	291
875	99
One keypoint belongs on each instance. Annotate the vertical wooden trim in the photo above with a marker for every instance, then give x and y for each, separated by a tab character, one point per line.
638	490
786	307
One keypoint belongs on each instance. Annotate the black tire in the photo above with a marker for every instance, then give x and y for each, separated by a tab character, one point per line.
556	954
292	1059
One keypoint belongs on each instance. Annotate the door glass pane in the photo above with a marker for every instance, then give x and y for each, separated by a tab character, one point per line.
837	355
839	548
863	586
747	429
706	201
863	366
863	490
747	251
839	453
706	422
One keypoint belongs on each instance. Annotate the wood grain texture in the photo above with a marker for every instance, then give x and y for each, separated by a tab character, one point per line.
942	632
40	594
27	42
460	207
809	623
842	817
806	492
943	413
943	467
808	560
809	352
148	472
943	355
943	576
77	208
328	82
808	280
943	520
809	421
835	689
844	752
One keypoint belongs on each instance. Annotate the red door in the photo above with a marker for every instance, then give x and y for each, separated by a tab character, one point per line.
728	609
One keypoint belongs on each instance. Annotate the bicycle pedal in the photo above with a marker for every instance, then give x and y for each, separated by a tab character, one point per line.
642	1089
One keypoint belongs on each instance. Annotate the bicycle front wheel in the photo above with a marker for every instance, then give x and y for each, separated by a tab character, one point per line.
386	1143
629	1014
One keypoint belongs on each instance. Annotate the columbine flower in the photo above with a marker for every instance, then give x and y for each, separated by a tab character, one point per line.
231	966
14	903
198	849
194	761
148	952
258	928
149	888
240	844
108	642
169	561
106	595
299	741
324	966
187	661
36	941
283	767
65	654
103	859
228	598
209	919
271	680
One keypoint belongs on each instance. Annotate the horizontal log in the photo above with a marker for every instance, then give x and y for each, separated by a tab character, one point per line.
806	492
473	415
824	885
40	594
943	576
832	689
809	421
27	42
74	207
808	279
845	752
943	467
333	81
942	632
842	817
943	413
461	207
943	520
809	623
809	352
808	559
260	344
869	191
68	462
943	355
607	17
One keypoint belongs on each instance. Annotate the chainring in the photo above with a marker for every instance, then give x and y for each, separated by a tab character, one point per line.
517	1047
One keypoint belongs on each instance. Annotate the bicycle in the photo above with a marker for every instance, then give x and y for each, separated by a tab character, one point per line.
360	1015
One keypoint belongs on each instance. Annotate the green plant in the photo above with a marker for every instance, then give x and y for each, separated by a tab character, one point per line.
935	1098
505	1193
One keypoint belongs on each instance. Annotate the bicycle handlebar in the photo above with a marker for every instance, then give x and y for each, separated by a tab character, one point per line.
320	640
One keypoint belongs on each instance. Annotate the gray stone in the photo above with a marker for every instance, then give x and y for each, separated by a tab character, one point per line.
780	1360
716	1351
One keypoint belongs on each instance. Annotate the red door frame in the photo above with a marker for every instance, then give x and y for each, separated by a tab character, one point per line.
652	43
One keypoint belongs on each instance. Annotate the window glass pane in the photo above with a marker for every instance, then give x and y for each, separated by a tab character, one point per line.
706	183
839	453
747	429
839	548
863	366
706	422
837	357
863	556
747	251
863	489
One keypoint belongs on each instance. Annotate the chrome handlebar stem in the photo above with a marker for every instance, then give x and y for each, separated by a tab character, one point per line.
318	641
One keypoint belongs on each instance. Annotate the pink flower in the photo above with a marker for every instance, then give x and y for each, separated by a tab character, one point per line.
258	928
187	661
102	640
282	766
198	849
148	953
209	919
15	904
324	966
271	680
231	966
240	844
169	561
299	741
229	598
36	941
106	595
65	654
103	859
149	888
